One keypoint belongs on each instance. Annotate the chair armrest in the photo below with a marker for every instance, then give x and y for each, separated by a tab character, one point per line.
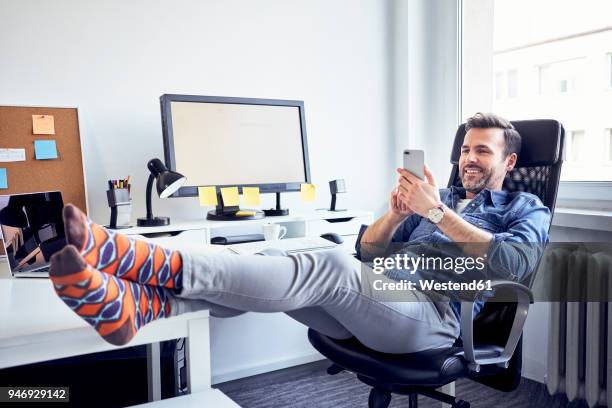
524	299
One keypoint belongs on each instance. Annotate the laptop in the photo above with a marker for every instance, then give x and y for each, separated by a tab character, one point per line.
32	230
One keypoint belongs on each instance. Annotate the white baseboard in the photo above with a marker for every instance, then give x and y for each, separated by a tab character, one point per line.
247	371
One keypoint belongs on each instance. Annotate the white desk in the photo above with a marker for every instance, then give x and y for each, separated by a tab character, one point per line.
36	326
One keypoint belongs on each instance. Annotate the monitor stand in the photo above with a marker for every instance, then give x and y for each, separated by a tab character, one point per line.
278	211
232	212
234	215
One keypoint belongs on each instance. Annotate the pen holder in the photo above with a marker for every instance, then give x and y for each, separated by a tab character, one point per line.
120	205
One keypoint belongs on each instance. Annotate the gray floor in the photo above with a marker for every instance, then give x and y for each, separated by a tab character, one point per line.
310	386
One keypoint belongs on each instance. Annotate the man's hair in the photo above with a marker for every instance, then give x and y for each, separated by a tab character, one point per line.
489	120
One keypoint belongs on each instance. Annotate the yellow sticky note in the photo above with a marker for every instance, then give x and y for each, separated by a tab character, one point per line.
245	213
231	197
251	195
307	192
43	125
208	196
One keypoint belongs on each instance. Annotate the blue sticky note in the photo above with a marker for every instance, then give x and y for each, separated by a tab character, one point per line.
3	180
45	149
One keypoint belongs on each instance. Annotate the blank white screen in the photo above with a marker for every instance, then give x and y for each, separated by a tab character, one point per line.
232	144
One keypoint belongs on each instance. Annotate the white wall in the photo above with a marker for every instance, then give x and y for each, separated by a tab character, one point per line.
113	59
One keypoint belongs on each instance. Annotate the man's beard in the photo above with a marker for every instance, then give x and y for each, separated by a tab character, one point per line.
476	187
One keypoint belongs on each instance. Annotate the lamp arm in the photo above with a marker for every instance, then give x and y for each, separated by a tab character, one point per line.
149	192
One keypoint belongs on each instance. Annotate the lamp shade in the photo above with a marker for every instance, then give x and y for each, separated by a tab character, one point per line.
169	182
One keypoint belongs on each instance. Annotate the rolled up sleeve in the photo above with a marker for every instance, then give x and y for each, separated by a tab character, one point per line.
515	253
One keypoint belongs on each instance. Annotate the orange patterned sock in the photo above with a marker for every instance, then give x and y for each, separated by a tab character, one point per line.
115	307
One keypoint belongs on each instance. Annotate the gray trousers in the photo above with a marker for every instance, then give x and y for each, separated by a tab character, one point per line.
320	289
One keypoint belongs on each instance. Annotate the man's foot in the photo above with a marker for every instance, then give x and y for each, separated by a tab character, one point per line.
115	307
125	257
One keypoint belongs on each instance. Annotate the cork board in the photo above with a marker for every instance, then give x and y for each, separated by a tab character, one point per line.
64	173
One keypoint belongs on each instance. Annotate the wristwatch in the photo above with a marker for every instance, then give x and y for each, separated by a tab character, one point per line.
436	214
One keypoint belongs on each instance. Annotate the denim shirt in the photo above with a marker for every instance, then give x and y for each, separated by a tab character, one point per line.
513	219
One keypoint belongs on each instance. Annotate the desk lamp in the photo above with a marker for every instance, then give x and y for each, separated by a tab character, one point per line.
168	182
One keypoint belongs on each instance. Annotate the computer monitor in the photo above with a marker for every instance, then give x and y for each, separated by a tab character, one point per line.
244	142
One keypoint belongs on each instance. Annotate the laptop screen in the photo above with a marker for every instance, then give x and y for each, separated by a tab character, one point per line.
32	228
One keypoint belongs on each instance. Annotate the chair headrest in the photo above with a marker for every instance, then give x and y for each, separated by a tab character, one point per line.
542	142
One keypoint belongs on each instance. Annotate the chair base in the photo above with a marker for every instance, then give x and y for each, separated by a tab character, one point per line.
380	395
380	398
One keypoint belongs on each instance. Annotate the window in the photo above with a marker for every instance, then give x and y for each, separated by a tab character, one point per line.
543	79
499	85
608	141
561	77
512	83
540	67
506	84
576	149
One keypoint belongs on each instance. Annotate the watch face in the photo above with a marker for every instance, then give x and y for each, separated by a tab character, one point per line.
435	215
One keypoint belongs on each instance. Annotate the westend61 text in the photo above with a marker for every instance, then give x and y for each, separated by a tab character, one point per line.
431	285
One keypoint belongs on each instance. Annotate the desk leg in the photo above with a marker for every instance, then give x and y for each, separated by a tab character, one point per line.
154	371
447	389
198	355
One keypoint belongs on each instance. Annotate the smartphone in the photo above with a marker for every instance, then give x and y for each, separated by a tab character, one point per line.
414	161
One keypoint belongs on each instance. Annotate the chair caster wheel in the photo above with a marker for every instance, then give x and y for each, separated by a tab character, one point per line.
334	369
379	398
461	404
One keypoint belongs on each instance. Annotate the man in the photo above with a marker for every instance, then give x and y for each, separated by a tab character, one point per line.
510	228
118	284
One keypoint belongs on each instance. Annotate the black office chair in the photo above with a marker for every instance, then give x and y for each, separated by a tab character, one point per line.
489	350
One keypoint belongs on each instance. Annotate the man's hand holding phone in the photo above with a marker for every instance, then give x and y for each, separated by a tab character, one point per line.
416	191
417	195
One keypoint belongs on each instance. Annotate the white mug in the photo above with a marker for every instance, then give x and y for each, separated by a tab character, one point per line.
274	231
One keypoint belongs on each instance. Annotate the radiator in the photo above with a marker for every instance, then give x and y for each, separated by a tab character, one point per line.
580	336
